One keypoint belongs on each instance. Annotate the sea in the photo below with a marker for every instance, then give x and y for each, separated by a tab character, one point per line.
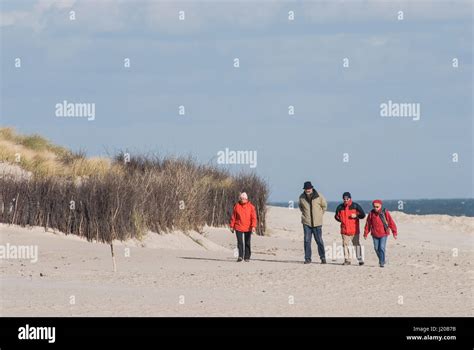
453	207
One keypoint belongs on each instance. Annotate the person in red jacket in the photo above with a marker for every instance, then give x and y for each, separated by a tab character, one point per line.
348	214
379	223
243	223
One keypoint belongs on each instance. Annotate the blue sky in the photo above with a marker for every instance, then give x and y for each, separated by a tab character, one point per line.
282	63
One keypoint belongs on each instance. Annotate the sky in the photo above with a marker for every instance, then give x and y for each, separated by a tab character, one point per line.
336	137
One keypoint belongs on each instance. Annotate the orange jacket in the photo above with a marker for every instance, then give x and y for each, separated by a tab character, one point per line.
244	217
349	226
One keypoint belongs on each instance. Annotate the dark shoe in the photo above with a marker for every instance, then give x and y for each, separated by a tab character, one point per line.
247	260
361	263
381	265
239	259
323	261
307	261
346	263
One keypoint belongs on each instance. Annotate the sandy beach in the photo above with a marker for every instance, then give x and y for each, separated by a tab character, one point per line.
429	272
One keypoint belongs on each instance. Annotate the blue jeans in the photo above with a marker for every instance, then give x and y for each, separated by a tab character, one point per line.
317	232
379	246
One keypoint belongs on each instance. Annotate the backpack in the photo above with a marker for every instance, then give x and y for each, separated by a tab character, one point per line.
383	217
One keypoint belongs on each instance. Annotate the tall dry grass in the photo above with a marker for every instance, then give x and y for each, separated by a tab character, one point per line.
39	156
127	199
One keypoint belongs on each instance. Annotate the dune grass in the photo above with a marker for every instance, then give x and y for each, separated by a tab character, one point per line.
104	199
38	155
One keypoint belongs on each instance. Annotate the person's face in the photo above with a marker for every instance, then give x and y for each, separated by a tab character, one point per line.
243	200
346	199
377	206
308	191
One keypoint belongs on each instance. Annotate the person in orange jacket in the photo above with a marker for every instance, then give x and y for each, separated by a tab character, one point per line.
379	224
243	223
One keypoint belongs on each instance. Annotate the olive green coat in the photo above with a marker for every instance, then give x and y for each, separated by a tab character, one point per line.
312	211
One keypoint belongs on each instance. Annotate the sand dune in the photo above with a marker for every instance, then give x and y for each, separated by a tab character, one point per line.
13	171
429	273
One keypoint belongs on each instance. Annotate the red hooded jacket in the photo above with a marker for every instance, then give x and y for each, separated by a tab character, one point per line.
375	226
244	217
349	226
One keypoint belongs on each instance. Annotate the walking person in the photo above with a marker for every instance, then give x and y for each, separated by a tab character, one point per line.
312	205
348	214
243	223
379	224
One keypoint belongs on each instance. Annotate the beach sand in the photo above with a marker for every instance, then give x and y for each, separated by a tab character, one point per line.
429	272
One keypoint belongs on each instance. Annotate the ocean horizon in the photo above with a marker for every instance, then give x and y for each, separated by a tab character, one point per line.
453	206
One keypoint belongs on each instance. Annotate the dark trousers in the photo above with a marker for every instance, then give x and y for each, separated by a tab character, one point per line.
240	244
317	232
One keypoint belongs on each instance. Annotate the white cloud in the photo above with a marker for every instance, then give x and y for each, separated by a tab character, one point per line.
37	17
364	10
204	14
162	16
12	18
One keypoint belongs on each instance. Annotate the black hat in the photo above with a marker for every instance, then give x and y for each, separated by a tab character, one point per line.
346	194
307	185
